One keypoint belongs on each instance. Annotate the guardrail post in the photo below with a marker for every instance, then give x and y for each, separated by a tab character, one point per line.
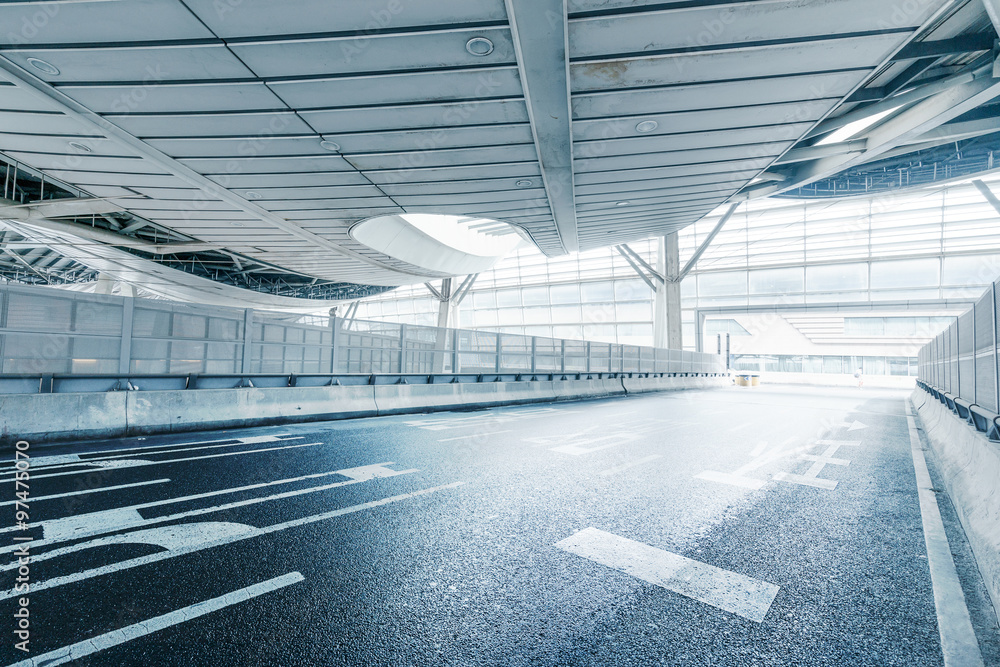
562	356
402	348
588	356
534	352
125	352
499	351
247	340
455	337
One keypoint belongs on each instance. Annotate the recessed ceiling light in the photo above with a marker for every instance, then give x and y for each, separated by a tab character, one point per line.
82	148
621	203
646	126
43	66
524	183
479	46
330	146
253	195
237	224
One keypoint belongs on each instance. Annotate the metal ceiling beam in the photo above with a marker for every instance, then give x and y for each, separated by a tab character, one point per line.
541	42
708	241
51	95
906	126
947	47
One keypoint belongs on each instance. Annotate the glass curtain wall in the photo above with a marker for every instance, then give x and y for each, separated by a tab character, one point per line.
938	243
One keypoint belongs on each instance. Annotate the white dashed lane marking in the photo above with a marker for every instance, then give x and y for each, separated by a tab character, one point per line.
730	591
135	631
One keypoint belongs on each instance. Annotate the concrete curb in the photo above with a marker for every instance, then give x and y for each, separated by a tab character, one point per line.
970	466
40	418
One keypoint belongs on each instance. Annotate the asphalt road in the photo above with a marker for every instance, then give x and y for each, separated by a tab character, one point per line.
764	526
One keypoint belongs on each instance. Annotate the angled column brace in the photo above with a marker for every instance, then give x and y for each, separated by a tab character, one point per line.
643	263
707	242
635	267
433	290
987	194
541	42
463	289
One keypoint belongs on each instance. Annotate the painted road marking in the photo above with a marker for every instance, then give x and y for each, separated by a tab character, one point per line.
856	426
811	476
825	459
233	536
958	639
122	518
128	633
50	462
626	466
579	447
728	478
139	463
102	489
448	423
57	459
730	591
473	435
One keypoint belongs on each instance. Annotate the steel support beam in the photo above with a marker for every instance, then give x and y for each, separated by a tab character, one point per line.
908	125
540	34
987	194
668	331
635	267
707	242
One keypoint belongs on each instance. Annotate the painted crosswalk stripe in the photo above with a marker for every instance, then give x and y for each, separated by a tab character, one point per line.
84	492
228	538
632	464
730	591
135	631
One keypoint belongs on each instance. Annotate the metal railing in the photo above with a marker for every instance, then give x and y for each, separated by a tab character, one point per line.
58	341
960	368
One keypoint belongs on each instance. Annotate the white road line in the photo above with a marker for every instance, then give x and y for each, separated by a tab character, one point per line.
736	593
958	639
759	449
626	466
35	499
122	518
734	480
612	440
806	480
75	458
35	465
128	633
229	539
839	443
828	460
141	463
473	435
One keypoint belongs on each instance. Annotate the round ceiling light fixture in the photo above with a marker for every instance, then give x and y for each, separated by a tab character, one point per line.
622	203
43	66
253	195
479	46
332	146
523	183
80	148
646	126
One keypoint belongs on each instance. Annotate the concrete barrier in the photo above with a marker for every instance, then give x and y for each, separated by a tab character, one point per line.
640	385
970	466
395	399
42	417
172	411
54	417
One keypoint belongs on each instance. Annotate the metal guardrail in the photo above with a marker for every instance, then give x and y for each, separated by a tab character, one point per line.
62	384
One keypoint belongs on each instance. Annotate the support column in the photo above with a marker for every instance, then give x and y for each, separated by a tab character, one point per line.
667	330
447	317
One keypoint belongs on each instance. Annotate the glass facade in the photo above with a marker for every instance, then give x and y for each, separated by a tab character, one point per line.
927	245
